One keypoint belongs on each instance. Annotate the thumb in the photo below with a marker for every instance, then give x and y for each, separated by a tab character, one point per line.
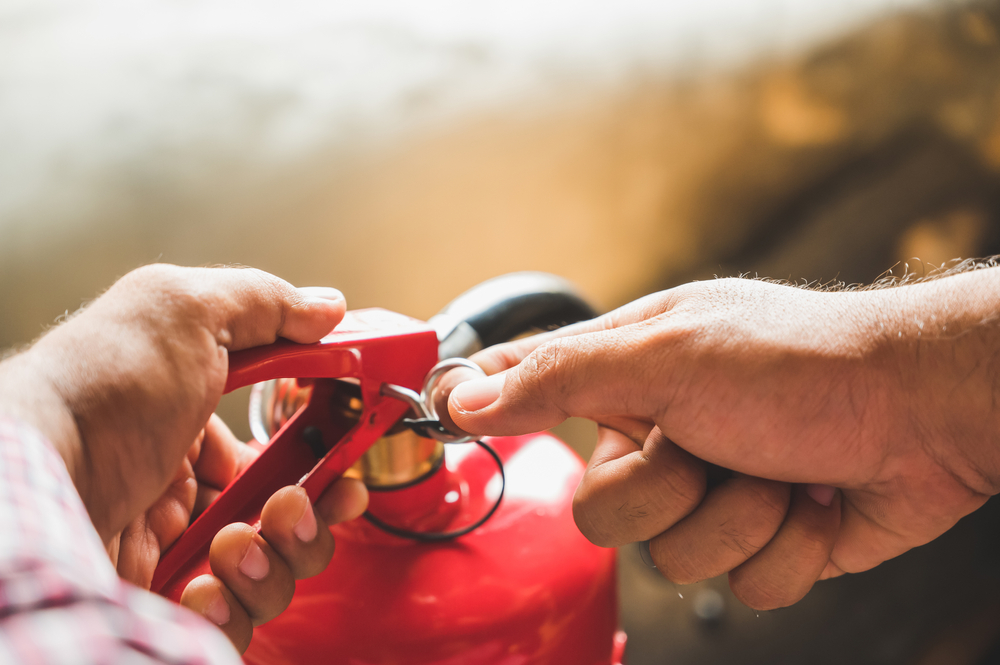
255	307
241	307
609	372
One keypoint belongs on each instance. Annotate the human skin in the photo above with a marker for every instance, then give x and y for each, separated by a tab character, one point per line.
125	391
888	395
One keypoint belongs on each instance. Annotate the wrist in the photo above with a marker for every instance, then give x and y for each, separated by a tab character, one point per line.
26	394
945	347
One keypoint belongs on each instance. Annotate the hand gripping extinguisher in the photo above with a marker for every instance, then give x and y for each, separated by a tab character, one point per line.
468	554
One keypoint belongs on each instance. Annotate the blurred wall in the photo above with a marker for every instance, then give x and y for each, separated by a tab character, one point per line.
399	152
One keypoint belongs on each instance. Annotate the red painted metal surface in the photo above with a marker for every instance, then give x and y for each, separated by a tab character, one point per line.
373	346
524	588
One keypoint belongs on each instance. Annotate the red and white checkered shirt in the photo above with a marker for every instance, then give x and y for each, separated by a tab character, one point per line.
61	600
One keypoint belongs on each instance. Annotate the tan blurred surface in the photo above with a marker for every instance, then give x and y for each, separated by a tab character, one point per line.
618	187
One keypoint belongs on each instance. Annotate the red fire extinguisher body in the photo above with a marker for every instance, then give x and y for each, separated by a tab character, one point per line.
524	588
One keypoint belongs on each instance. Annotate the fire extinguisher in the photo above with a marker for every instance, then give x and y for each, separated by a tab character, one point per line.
468	554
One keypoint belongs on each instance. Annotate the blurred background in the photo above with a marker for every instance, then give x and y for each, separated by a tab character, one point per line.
404	152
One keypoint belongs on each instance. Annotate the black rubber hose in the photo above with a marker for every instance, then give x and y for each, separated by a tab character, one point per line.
504	307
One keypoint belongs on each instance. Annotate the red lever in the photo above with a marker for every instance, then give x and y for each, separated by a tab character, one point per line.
374	346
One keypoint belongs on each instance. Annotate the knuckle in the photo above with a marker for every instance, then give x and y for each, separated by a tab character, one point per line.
277	296
544	359
269	286
542	372
812	544
266	283
811	537
168	290
674	566
755	591
745	545
681	487
770	498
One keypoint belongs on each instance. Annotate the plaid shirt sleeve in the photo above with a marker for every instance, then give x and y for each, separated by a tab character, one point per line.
61	600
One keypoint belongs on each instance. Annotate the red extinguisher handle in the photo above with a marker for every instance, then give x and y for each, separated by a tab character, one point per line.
373	346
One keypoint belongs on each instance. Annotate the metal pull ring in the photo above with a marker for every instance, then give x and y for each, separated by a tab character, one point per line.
423	404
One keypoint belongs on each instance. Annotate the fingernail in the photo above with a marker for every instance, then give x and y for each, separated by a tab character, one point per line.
314	293
478	393
821	494
218	611
305	528
255	564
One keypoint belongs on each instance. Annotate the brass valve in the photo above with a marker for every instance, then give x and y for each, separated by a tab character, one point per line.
398	458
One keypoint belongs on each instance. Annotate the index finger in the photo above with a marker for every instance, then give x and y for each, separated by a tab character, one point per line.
500	357
628	369
595	368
